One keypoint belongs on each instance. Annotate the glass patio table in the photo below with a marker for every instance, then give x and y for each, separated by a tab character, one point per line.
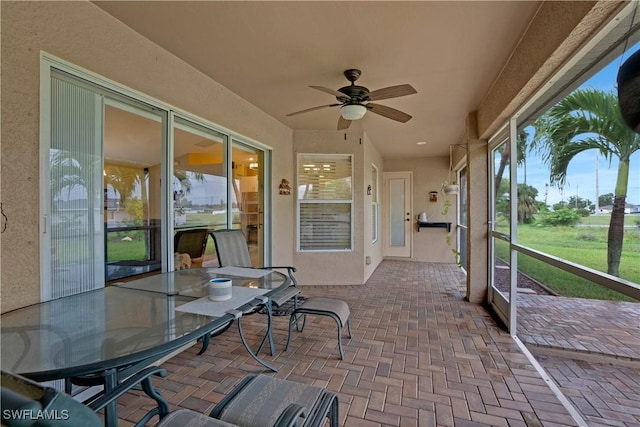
255	284
111	333
190	282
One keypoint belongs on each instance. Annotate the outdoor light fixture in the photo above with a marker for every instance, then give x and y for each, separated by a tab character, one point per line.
353	111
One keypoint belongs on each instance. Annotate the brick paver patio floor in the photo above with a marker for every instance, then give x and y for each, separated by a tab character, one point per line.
420	356
591	349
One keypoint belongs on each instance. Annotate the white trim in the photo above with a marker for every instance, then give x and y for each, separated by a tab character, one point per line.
513	225
45	205
375	205
267	207
350	201
167	219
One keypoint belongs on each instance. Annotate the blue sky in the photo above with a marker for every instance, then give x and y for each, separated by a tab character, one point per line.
581	174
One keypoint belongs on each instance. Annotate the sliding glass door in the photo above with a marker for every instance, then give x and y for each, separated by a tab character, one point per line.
131	187
248	197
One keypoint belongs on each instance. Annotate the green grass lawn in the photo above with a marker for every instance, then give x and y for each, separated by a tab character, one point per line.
629	220
119	250
566	284
583	245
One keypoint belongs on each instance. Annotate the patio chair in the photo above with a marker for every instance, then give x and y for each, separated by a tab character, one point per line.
259	400
232	250
27	403
264	401
192	242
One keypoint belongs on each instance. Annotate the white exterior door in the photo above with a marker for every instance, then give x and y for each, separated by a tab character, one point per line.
397	223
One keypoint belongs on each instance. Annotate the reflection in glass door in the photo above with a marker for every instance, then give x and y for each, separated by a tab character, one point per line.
199	193
247	197
132	205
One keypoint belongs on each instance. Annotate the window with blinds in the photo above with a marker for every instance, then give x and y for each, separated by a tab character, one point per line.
325	198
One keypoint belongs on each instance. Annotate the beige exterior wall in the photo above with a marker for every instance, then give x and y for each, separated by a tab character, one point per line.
335	268
477	213
84	35
429	244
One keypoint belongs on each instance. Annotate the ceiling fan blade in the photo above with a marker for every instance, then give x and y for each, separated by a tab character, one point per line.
312	109
388	112
343	123
329	91
391	92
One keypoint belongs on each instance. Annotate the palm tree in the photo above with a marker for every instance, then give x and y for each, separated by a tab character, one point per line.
521	147
527	204
74	174
590	119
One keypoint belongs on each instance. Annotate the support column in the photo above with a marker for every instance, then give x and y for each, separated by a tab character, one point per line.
477	212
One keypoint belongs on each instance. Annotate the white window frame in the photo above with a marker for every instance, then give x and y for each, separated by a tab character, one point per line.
299	201
375	204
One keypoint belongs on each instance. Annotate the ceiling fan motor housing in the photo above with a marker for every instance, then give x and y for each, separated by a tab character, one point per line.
355	93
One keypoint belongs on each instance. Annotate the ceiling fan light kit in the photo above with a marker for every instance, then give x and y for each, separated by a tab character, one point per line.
353	111
354	100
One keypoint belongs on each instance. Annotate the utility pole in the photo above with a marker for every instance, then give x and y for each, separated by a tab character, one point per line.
546	192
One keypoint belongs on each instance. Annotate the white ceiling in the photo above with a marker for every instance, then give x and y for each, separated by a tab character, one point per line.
270	52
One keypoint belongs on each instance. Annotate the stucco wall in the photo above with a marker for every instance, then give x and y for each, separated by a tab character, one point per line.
335	268
429	244
82	34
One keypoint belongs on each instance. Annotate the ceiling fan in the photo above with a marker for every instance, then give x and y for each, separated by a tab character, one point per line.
354	101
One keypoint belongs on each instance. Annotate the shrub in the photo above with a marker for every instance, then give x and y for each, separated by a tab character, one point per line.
561	216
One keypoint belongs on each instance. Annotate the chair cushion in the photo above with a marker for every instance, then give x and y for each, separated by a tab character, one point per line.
318	305
187	418
264	399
